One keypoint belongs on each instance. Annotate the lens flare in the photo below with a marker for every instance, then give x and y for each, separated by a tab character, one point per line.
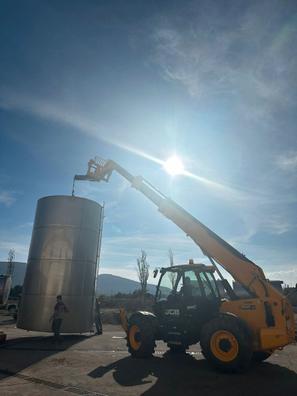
174	166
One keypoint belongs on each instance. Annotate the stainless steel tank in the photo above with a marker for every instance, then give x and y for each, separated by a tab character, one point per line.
62	260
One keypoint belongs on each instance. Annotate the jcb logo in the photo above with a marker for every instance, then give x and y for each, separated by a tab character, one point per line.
173	312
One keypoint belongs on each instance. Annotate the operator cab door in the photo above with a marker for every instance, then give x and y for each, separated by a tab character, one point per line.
185	300
168	306
200	301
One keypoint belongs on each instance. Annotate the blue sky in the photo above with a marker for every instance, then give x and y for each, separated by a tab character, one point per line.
213	81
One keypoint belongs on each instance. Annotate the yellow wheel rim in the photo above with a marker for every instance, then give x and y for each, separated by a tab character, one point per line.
224	346
134	337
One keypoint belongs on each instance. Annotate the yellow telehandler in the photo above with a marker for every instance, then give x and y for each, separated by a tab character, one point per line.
188	307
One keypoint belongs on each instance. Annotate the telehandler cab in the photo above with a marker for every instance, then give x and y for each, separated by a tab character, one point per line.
187	297
188	307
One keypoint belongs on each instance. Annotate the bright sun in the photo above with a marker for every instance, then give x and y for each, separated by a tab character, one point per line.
174	165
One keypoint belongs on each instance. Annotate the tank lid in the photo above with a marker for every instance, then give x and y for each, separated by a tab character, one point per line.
70	197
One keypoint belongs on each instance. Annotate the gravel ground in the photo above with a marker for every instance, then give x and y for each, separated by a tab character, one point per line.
31	364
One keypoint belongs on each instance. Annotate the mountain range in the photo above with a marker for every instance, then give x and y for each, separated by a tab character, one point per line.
110	284
106	283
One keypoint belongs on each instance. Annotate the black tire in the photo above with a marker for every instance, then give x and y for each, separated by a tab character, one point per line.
174	348
260	356
140	337
226	343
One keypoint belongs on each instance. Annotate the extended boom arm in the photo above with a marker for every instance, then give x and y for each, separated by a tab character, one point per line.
242	269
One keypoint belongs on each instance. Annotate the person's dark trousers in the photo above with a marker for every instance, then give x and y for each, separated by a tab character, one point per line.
98	324
56	326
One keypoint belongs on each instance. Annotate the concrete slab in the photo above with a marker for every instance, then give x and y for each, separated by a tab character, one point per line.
100	365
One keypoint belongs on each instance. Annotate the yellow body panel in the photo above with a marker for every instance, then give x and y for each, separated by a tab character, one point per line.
272	338
252	312
124	320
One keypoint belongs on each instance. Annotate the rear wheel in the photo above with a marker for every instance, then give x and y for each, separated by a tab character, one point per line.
226	343
260	356
140	337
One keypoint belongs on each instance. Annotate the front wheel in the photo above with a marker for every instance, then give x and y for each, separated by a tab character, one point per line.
140	337
226	343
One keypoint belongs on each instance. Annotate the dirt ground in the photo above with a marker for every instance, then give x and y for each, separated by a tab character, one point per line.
31	364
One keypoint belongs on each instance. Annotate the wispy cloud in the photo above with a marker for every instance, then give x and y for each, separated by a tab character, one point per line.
7	198
28	224
63	113
261	220
288	276
249	60
128	247
287	161
119	253
277	225
12	100
223	190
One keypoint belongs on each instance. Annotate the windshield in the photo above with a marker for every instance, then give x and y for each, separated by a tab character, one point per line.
187	284
191	287
167	284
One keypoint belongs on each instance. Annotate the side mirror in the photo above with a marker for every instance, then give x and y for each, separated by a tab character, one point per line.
155	273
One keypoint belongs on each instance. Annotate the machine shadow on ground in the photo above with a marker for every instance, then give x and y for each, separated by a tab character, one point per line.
39	348
185	375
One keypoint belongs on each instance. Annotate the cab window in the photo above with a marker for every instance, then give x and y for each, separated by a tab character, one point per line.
191	286
209	285
167	284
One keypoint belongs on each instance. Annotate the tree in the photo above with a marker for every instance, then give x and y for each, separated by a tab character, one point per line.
143	272
170	254
10	259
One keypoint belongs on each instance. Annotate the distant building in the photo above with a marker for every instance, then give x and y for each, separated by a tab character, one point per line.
277	284
291	294
18	274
